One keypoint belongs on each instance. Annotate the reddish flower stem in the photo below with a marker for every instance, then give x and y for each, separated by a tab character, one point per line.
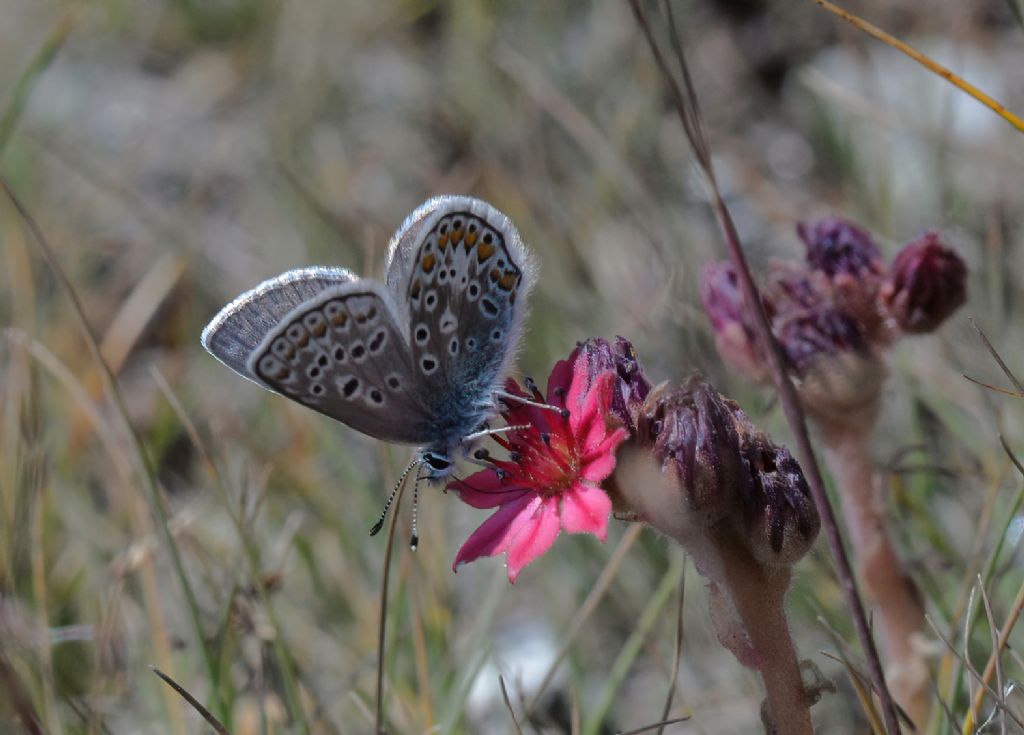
759	596
900	611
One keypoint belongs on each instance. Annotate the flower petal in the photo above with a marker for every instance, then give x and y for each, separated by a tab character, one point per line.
562	376
534	537
589	421
598	468
495	534
585	509
485	490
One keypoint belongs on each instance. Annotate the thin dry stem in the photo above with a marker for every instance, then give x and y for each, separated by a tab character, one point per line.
677	654
382	622
195	703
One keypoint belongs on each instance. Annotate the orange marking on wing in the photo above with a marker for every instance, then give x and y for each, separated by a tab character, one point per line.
484	252
428	262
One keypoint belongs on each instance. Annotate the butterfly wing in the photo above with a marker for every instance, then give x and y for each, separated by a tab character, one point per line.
331	342
460	271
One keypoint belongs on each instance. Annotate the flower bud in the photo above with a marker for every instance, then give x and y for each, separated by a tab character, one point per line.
824	331
630	387
927	284
840	248
731	321
693	435
781	520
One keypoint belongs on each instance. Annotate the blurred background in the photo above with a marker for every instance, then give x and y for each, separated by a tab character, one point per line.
177	152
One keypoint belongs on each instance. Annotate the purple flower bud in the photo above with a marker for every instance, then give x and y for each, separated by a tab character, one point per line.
824	331
631	386
927	284
781	520
838	247
731	321
691	430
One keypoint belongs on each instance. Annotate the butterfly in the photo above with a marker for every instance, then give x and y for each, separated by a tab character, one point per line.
419	358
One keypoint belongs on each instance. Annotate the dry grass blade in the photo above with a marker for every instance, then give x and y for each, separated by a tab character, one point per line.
28	78
974	672
859	682
508	705
1004	632
147	473
677	654
21	702
378	726
285	660
994	632
1018	386
611	568
659	725
994	388
784	386
928	63
196	705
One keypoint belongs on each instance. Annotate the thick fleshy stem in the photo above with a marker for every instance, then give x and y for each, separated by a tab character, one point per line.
758	593
900	612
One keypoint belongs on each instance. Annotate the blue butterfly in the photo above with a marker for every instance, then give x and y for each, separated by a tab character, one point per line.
418	359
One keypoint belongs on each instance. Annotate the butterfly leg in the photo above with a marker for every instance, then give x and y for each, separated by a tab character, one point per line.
503	396
475	436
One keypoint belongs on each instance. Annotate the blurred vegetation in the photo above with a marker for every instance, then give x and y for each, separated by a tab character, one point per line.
176	152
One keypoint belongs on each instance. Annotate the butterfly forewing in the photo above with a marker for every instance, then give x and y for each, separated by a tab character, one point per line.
465	278
343	354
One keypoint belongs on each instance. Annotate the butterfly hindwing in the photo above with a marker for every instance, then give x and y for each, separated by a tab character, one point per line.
344	355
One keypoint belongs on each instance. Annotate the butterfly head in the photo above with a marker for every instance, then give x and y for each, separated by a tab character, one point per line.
438	464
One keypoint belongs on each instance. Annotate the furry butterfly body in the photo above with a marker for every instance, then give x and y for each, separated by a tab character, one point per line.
415	359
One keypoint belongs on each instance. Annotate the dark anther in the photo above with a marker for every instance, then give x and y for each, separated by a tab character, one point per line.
545	437
501	474
482	454
515	456
564	413
559	392
531	384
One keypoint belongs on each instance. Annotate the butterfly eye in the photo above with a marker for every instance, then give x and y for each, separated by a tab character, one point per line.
436	461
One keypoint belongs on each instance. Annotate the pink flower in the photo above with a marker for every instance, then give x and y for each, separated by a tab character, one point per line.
551	480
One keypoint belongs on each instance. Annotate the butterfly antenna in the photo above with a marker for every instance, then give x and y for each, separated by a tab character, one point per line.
414	541
391	498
